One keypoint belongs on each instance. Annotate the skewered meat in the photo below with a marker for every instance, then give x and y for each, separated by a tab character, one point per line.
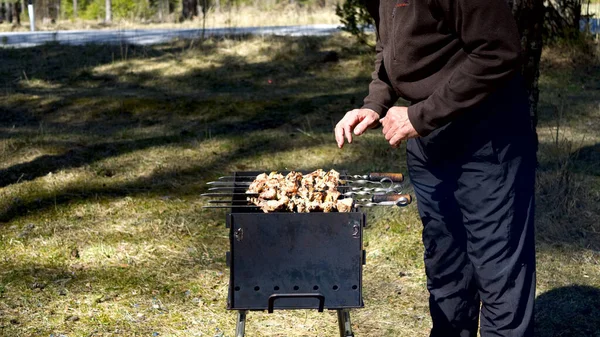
327	206
332	196
316	191
268	194
344	205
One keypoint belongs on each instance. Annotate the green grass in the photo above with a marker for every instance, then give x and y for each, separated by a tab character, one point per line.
104	151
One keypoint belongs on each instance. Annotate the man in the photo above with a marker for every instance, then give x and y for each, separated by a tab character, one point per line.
470	155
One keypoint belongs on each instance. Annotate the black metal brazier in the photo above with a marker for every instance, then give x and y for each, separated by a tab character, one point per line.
294	261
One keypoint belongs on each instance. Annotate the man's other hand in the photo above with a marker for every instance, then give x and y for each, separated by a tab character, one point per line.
397	126
357	120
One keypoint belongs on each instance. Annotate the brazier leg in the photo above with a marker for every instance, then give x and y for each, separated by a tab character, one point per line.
344	323
240	327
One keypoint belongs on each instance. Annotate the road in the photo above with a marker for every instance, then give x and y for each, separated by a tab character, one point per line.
155	36
150	36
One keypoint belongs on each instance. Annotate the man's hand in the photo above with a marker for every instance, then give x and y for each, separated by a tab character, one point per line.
357	120
397	126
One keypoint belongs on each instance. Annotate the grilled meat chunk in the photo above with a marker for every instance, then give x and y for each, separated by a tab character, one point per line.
316	191
344	205
268	194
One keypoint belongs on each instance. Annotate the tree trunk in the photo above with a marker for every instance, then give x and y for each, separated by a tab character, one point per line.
204	12
108	17
40	10
9	14
194	7
161	11
166	9
185	9
74	9
529	15
190	9
23	6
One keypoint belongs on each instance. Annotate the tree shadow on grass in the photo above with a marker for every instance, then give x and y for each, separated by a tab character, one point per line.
78	156
232	99
572	311
272	115
72	66
587	159
165	182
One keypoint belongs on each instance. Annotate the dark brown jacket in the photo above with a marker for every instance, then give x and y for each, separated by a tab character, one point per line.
445	56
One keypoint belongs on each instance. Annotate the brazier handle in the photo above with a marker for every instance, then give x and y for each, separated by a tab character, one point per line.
318	296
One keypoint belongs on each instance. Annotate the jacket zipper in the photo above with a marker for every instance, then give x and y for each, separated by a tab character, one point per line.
394	31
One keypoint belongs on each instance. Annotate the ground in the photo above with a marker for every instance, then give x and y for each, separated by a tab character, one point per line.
104	151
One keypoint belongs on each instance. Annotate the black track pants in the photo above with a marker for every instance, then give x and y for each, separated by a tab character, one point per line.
474	183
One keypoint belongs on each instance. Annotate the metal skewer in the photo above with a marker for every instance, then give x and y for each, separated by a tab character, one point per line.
353	193
218	194
394	188
373	176
378	189
383	183
229	183
346	194
231	206
248	183
399	200
400	203
353	190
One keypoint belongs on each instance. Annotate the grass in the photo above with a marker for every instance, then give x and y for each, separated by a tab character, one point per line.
105	149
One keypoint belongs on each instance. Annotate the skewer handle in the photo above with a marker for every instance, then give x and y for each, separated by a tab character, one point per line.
395	177
392	197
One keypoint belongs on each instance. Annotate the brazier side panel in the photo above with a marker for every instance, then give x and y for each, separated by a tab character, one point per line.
291	253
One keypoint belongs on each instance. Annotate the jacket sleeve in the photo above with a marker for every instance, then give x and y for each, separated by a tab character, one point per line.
491	41
381	95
